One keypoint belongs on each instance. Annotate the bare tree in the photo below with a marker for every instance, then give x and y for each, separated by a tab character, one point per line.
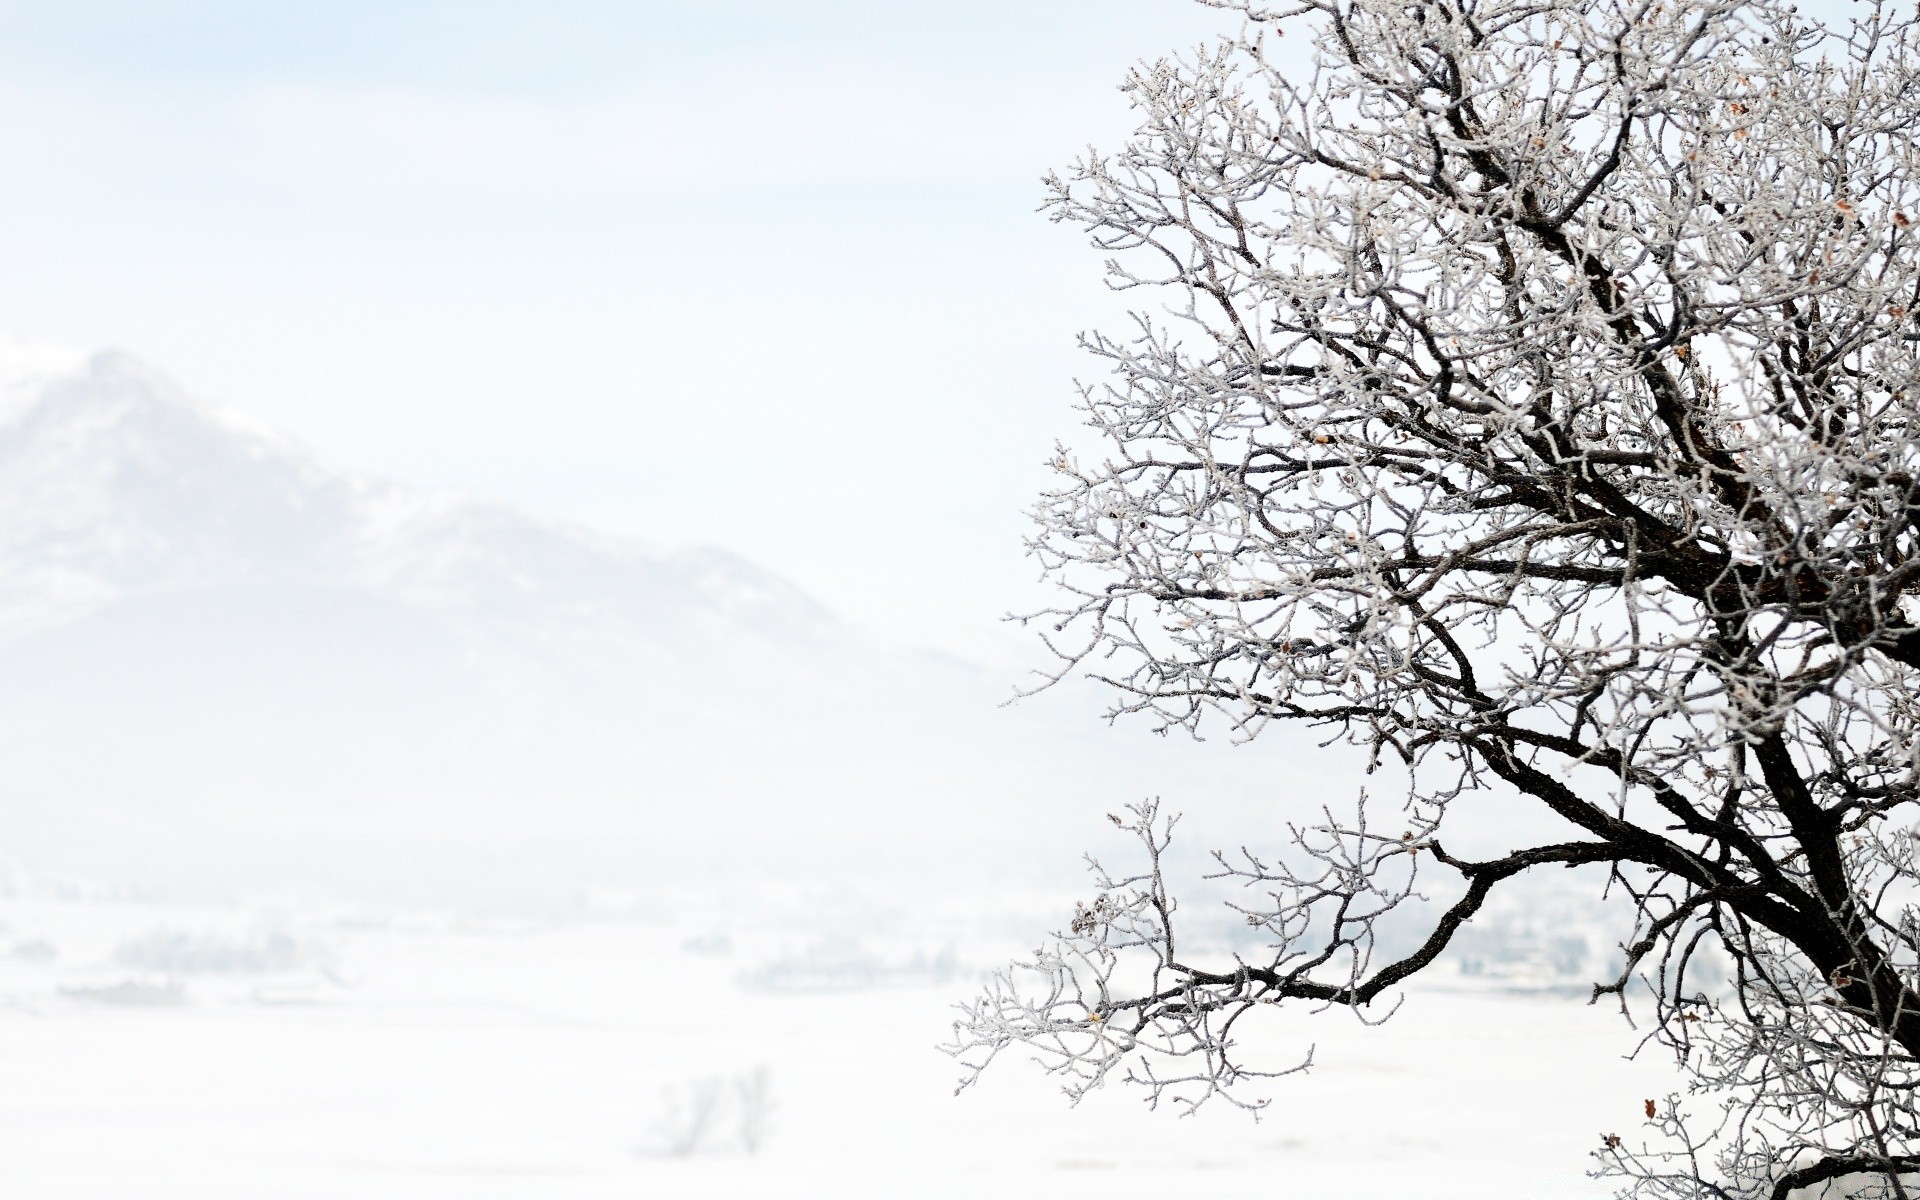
692	1113
1530	400
688	1116
753	1099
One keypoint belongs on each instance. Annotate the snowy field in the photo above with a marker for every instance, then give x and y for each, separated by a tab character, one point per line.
226	1053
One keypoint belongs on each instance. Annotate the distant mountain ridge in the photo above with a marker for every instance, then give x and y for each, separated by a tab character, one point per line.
221	660
206	632
117	485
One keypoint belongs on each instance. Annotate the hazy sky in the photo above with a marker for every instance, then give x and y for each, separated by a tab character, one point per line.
765	275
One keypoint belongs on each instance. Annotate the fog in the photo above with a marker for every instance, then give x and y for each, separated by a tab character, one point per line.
508	511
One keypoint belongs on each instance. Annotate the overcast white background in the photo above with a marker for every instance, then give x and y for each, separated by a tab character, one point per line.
764	275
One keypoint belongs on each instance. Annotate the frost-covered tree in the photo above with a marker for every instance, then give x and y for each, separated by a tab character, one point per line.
1526	392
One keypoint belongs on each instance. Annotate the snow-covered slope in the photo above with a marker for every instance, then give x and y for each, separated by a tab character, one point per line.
117	486
201	626
211	644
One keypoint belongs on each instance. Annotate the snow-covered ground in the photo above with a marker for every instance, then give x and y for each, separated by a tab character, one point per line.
154	1051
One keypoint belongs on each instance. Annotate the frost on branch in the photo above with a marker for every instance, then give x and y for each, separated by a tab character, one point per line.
1111	992
1525	392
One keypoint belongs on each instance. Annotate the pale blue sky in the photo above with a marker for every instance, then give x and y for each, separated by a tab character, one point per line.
759	274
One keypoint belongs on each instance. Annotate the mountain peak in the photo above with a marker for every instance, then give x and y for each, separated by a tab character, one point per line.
119	485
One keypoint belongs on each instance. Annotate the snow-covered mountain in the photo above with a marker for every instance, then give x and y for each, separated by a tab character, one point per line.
218	653
118	487
202	627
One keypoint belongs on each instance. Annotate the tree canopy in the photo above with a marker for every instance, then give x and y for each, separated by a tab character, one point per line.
1527	393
